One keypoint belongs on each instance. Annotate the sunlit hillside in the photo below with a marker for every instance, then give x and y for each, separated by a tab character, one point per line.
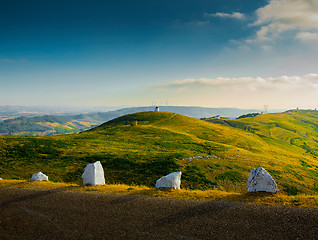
296	127
139	148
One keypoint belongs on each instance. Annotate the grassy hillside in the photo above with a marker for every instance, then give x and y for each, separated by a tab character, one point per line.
298	127
163	142
56	124
44	125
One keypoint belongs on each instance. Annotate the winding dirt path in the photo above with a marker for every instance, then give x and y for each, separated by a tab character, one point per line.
61	214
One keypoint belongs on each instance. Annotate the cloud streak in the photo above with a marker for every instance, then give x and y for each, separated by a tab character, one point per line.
235	15
207	18
307	36
248	83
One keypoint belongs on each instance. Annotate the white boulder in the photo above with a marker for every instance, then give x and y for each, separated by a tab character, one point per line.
93	174
172	180
39	177
261	181
0	178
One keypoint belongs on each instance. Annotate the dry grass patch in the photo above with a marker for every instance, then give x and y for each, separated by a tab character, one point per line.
279	199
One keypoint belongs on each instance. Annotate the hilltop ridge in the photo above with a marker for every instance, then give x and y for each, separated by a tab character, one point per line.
69	123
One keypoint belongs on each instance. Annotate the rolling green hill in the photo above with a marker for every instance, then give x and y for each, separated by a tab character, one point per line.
44	125
296	127
162	142
56	124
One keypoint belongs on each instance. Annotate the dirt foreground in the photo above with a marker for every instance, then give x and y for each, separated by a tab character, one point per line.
56	214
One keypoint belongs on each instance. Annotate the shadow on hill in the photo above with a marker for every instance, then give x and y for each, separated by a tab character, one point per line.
38	194
124	199
197	211
259	194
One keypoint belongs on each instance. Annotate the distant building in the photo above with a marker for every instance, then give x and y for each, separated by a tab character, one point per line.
156	109
217	117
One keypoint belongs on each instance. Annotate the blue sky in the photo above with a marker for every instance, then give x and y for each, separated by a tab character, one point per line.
220	53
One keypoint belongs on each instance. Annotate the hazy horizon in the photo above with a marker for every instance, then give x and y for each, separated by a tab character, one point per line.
126	106
241	54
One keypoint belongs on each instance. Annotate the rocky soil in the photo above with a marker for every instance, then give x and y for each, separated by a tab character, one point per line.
62	214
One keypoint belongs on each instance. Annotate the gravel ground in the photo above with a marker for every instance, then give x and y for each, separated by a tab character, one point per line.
60	214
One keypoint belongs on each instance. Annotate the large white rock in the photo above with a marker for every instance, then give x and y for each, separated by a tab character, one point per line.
172	180
39	177
261	181
93	174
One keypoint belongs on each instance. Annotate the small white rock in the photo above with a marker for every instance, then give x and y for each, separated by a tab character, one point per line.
172	180
93	174
0	178
261	181
39	177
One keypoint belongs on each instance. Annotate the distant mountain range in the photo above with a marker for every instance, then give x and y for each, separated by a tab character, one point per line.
63	124
9	112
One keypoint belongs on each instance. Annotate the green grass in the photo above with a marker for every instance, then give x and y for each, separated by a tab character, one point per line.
233	176
298	128
141	154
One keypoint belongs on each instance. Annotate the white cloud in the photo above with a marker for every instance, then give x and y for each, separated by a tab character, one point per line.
262	34
236	15
248	83
307	36
206	20
279	16
284	92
